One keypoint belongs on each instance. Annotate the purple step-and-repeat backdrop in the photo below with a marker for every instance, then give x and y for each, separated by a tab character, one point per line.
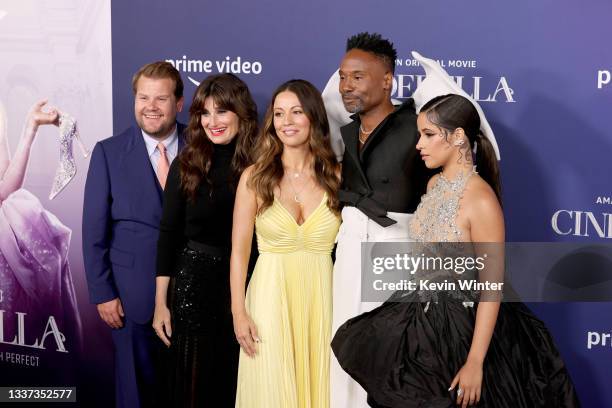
536	68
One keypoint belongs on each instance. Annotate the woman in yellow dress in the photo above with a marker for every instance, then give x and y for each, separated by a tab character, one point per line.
289	196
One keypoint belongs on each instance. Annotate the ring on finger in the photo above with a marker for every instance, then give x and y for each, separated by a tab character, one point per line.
459	391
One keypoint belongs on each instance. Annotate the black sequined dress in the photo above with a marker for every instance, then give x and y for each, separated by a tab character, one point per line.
200	367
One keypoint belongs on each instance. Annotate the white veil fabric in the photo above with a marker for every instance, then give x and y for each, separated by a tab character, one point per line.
437	82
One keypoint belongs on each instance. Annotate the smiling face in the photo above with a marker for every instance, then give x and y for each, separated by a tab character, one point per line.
436	146
290	122
155	106
220	125
365	81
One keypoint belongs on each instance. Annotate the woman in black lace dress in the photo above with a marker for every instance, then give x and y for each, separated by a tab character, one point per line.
192	311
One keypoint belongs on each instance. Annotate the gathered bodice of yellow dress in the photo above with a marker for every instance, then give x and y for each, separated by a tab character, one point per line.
278	232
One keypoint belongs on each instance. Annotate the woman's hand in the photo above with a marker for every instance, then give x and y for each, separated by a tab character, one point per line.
246	333
36	116
161	323
245	211
469	379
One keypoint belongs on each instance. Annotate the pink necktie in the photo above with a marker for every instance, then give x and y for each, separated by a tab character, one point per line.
162	165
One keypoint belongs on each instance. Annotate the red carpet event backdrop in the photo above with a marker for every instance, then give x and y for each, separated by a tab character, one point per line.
538	70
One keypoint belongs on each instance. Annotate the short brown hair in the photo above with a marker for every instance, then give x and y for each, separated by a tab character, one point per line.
160	70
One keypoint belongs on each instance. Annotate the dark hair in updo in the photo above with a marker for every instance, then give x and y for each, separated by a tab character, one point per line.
449	112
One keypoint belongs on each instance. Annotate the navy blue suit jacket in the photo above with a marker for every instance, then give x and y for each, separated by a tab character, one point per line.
121	215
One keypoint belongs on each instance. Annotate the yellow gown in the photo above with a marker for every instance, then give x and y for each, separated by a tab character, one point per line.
289	299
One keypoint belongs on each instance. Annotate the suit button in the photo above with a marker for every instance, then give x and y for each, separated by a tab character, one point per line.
384	180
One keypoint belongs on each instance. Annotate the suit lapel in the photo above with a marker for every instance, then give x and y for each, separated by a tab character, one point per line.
138	168
376	134
350	135
380	129
141	168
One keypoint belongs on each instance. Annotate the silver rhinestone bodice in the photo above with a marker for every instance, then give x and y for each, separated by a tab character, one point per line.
435	218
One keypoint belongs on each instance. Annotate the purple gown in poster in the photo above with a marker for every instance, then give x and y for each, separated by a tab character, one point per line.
40	327
34	271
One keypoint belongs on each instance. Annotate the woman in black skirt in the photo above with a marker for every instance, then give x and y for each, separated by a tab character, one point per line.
192	301
451	347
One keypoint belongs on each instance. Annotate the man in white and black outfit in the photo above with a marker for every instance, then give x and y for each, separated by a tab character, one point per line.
383	179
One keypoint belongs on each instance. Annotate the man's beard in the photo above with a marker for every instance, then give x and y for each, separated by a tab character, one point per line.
164	129
161	132
356	107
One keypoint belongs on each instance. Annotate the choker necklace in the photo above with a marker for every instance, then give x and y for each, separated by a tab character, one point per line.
293	173
460	176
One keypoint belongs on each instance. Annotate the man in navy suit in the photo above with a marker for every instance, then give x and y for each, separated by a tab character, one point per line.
121	216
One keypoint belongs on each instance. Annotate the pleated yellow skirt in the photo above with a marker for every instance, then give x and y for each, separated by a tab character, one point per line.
289	299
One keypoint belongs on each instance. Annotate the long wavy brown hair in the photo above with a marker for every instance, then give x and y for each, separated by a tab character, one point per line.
268	169
230	93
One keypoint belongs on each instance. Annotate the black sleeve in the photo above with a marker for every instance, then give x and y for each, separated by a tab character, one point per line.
172	227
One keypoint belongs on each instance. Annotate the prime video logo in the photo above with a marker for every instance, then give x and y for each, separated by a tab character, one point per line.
228	65
599	339
603	78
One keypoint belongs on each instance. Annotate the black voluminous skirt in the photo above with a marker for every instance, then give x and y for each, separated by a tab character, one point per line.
201	365
405	355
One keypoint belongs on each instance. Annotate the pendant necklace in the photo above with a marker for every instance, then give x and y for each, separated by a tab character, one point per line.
296	194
